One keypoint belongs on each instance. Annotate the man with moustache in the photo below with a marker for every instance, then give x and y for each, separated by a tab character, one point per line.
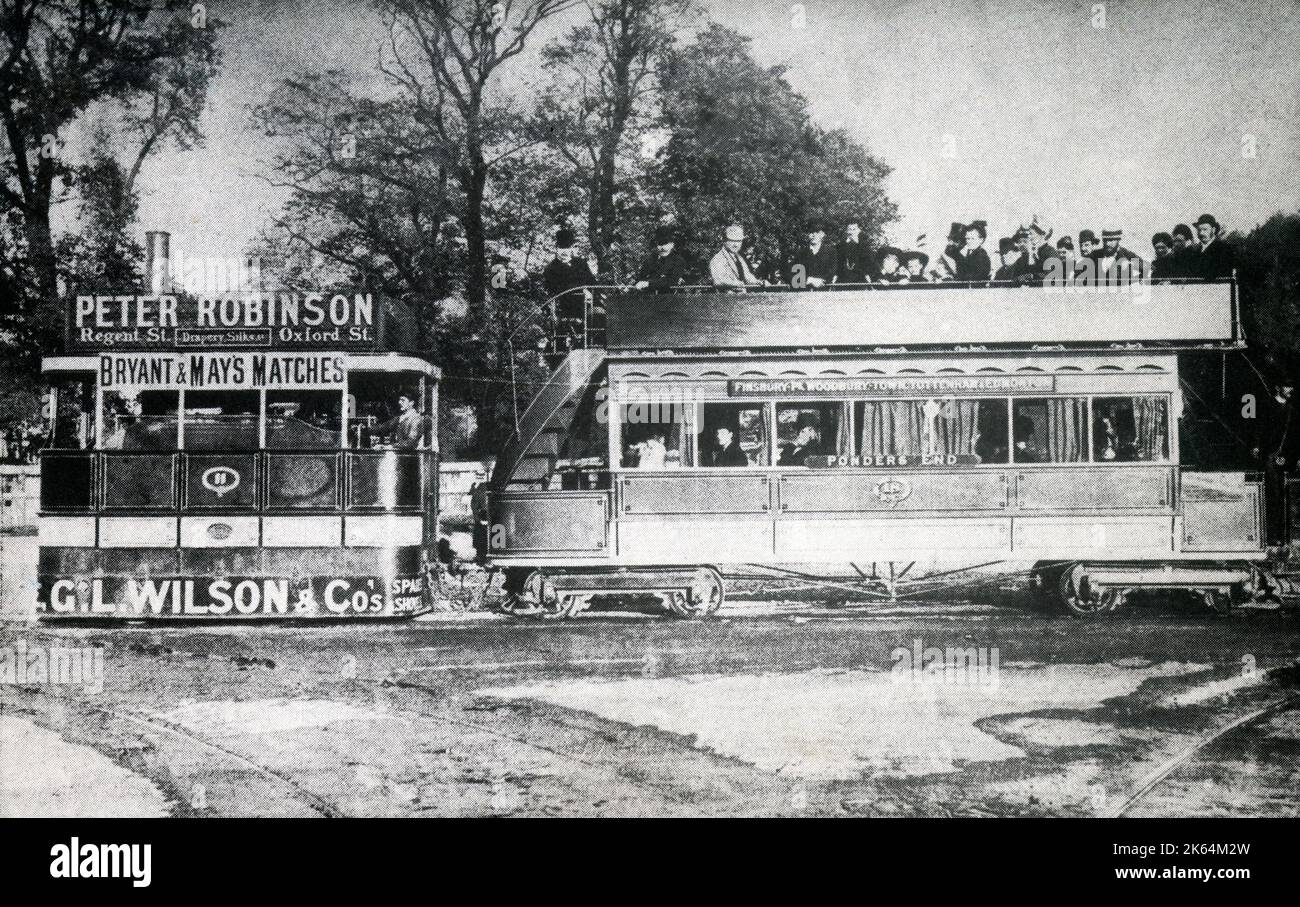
1216	259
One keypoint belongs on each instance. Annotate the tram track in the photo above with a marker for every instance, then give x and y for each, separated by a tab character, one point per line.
313	801
1170	767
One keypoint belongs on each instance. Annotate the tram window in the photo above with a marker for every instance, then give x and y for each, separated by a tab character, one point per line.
1130	429
1051	430
143	420
972	431
733	435
303	420
221	420
73	425
809	430
657	436
384	409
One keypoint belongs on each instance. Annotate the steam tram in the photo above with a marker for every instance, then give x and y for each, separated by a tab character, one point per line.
930	424
260	456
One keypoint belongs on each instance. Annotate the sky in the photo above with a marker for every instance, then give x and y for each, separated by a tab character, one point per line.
992	109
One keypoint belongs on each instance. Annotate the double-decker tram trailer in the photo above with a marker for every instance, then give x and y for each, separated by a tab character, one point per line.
264	455
932	424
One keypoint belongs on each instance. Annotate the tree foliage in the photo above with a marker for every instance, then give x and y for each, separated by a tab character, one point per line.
58	59
742	148
604	103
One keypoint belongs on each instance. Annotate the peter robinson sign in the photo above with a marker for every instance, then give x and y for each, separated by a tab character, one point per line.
238	321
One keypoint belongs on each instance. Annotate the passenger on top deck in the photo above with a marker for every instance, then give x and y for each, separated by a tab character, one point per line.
853	257
1065	251
1036	255
728	269
565	273
666	268
1216	259
914	263
1186	251
890	264
1112	263
1163	265
1008	255
816	263
972	260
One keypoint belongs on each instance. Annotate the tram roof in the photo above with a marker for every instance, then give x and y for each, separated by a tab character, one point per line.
907	320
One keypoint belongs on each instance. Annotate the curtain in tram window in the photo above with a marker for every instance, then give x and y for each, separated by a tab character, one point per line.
686	433
1067	430
956	427
891	427
754	427
1149	416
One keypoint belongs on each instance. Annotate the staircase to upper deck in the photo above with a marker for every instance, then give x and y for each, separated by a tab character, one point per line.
530	455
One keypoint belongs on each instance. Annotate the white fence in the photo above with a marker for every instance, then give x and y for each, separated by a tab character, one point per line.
455	482
20	496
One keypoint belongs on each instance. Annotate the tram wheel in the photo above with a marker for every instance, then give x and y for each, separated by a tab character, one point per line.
704	594
1081	599
536	598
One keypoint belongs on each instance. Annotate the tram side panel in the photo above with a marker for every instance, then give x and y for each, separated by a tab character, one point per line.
1111	513
138	540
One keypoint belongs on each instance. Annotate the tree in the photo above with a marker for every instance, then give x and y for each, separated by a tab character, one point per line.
741	148
460	46
1268	271
604	99
373	188
57	59
102	254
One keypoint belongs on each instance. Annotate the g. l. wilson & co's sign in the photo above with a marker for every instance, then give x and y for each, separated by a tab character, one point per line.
220	371
243	321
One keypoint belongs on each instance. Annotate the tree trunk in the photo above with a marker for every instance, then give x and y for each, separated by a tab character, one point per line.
475	241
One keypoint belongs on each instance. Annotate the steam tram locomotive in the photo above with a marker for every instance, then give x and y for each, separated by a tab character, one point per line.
262	455
933	423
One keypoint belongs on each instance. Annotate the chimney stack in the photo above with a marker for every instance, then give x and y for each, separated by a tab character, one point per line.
157	255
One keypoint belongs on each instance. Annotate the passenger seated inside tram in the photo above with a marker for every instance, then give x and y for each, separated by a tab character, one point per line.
726	451
1115	430
1028	448
652	453
808	443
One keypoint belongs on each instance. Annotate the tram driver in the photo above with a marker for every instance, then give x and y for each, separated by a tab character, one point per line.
409	428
